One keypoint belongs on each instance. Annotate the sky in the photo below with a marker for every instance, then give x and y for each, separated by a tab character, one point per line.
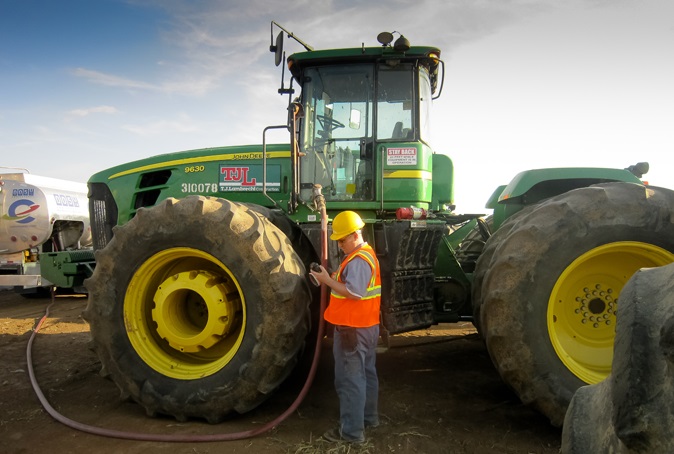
89	84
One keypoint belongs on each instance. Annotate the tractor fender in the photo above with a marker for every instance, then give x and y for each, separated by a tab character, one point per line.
533	186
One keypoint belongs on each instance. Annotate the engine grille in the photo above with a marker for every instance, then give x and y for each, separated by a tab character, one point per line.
103	213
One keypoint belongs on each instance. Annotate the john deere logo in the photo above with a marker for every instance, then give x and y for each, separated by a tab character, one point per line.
20	210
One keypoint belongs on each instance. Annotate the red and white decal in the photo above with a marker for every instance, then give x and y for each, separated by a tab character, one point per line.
401	156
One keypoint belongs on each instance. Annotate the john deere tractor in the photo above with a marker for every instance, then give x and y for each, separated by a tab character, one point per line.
200	305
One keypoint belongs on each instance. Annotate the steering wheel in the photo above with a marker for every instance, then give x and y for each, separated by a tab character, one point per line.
329	123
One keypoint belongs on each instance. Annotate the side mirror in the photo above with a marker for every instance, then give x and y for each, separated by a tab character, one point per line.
277	49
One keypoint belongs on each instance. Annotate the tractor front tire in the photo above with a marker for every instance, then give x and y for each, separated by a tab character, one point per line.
198	308
549	283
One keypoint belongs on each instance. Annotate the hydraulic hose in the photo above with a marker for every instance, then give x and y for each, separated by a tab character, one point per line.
191	438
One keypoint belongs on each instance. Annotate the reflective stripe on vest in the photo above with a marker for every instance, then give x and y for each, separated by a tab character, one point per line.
360	313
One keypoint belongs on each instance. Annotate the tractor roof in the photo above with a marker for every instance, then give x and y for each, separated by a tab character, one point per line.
429	56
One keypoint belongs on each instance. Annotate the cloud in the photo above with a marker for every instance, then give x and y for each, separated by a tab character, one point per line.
93	110
112	80
184	124
211	41
189	84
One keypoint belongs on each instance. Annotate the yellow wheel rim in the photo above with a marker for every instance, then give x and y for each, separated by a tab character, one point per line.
184	313
583	306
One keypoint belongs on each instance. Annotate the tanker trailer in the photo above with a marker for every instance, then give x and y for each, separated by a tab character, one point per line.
38	216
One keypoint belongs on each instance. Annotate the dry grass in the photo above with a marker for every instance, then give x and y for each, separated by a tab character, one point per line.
322	446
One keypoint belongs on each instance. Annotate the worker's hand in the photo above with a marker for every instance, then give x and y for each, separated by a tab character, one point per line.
321	276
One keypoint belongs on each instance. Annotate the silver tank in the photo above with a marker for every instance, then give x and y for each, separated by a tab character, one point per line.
32	207
38	214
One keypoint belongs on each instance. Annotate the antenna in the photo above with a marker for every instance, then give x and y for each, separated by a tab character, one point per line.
290	35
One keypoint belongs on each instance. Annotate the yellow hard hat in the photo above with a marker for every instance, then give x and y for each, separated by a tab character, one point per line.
345	223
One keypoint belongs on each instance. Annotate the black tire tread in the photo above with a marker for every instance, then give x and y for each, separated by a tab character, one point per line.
517	268
285	299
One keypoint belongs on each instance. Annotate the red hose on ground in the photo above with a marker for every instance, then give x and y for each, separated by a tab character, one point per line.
191	438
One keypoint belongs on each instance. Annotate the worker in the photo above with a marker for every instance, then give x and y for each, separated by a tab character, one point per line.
355	295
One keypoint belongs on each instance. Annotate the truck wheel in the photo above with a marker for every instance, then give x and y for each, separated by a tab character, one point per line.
198	307
550	281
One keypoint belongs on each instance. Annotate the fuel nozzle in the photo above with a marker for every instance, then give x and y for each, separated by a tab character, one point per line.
316	268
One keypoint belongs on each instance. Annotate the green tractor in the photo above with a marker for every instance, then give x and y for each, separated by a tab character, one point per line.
200	303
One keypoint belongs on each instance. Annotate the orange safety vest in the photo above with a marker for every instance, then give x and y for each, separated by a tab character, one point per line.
359	313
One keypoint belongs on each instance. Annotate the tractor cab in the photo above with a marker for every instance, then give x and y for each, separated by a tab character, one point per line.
364	120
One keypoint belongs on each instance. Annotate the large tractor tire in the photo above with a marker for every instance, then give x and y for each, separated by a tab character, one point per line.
632	411
549	283
198	308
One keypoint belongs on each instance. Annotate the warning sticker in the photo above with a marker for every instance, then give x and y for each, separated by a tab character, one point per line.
401	156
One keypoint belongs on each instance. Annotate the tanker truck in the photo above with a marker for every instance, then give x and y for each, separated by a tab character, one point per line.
41	215
199	303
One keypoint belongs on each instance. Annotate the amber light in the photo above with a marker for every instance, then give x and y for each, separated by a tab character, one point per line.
434	56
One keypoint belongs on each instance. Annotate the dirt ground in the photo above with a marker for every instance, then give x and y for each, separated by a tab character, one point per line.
439	393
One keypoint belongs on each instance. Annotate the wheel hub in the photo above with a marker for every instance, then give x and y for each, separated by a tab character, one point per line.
184	313
192	311
597	307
